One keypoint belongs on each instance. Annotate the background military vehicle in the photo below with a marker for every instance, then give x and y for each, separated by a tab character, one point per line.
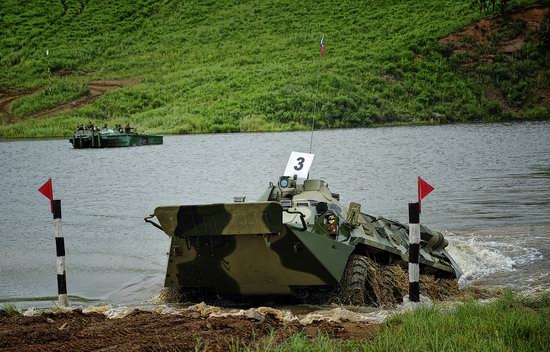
111	137
295	239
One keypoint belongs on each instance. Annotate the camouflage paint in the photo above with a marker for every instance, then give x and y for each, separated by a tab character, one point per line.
281	244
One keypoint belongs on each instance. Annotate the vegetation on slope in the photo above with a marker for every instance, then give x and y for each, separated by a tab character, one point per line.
224	66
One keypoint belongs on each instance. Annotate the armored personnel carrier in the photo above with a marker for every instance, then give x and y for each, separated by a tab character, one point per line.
295	239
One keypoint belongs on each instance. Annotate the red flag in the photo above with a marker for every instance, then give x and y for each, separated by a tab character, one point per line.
47	189
424	188
322	45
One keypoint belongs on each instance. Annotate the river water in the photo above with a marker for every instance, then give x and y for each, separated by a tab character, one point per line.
492	199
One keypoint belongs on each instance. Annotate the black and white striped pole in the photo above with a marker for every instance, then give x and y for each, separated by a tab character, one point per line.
424	188
47	190
60	250
414	252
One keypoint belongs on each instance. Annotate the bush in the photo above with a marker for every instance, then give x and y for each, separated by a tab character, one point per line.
544	32
538	113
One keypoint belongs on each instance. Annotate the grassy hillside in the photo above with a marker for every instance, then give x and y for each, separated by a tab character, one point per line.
228	66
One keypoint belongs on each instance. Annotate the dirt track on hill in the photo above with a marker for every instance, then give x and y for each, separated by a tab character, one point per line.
146	331
7	97
96	89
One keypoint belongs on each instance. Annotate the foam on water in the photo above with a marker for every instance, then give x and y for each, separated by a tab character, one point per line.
335	314
480	255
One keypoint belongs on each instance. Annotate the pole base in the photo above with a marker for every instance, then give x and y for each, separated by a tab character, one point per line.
63	300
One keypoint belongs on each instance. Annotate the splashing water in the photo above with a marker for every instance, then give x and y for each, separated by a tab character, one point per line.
490	258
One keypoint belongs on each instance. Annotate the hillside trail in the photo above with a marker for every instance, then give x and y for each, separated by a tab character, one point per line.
7	97
96	89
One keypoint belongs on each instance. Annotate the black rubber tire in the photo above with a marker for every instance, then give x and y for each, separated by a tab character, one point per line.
353	287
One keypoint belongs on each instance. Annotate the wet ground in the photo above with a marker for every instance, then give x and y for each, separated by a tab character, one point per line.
143	330
203	327
215	327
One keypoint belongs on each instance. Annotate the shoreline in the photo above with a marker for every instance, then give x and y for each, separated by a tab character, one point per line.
510	322
374	126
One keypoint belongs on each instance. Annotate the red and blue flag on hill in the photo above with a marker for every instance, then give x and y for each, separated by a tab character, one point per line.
322	45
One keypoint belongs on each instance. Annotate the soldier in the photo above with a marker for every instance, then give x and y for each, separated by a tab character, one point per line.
331	223
326	220
127	129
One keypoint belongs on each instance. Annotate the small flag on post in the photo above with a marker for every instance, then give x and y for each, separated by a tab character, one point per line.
47	191
322	45
424	188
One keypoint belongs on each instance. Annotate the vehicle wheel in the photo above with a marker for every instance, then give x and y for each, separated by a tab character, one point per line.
353	288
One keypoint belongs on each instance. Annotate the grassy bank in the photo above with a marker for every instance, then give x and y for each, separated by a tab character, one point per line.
511	323
224	66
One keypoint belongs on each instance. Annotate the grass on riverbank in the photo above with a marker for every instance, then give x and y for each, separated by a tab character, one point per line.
511	323
248	66
9	309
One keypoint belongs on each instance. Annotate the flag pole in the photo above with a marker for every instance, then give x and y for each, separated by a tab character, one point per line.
63	299
424	188
414	252
55	204
419	192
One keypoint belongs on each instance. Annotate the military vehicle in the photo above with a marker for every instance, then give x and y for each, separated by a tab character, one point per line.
297	238
110	138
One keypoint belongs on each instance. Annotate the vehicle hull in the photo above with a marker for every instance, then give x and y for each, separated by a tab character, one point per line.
255	264
97	140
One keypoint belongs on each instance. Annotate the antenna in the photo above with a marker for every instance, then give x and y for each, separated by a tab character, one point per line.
322	50
312	126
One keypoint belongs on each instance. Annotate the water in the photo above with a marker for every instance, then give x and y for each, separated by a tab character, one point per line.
492	197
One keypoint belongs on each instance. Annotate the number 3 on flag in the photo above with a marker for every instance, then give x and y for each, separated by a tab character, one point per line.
299	164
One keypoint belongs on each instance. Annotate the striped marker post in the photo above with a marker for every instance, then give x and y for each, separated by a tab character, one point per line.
414	251
60	249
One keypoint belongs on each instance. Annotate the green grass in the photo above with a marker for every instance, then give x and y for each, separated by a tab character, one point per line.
511	323
9	309
58	92
225	66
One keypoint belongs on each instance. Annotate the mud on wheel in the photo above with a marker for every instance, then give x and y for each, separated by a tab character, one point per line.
355	288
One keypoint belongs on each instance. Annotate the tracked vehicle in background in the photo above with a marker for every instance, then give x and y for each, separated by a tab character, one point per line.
297	238
111	138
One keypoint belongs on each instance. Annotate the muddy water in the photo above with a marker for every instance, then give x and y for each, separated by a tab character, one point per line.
492	198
